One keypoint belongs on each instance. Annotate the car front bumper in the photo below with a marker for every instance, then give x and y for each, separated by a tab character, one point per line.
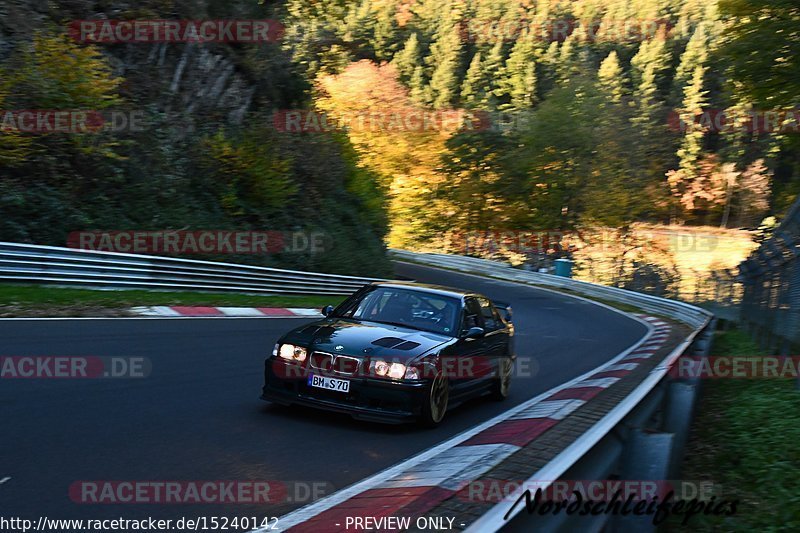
378	400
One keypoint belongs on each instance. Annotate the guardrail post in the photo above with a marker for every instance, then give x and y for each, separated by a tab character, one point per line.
678	414
603	458
647	457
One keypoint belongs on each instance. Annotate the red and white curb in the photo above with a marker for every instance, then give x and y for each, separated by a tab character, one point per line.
186	311
420	483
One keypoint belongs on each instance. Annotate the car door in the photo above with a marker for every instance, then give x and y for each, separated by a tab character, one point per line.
469	362
496	336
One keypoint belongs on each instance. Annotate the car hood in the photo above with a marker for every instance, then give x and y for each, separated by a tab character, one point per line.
361	338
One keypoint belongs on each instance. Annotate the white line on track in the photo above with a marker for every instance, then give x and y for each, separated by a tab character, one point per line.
311	510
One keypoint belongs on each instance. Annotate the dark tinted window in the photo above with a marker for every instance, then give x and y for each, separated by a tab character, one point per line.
491	320
406	307
472	315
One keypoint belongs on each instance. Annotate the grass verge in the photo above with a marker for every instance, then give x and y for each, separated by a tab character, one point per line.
745	437
37	300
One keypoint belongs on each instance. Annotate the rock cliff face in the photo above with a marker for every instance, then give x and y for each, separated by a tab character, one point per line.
208	157
191	81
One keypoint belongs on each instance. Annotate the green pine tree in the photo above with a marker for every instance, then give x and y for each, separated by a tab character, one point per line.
492	69
418	88
408	59
385	28
445	59
568	59
695	55
693	102
652	53
519	75
473	90
691	143
610	78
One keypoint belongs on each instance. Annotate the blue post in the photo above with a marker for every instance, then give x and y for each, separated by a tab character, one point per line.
563	268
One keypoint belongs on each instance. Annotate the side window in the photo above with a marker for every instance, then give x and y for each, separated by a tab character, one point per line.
356	303
491	323
472	315
415	303
378	305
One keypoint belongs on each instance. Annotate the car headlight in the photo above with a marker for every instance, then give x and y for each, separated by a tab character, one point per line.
385	369
412	373
290	352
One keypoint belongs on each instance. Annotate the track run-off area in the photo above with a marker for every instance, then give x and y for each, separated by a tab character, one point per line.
197	415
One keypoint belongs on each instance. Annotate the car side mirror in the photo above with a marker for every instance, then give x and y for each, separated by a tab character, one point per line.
474	333
327	310
505	310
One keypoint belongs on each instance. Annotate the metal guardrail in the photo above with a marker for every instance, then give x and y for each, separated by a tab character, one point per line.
626	431
26	263
691	315
642	437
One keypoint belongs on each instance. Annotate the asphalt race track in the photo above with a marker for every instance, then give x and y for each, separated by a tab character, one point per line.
198	416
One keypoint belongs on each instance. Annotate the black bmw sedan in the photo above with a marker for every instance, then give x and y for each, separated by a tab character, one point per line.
396	352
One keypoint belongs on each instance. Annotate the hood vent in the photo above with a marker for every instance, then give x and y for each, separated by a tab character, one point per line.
408	345
388	342
395	343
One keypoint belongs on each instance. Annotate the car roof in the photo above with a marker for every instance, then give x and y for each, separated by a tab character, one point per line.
425	287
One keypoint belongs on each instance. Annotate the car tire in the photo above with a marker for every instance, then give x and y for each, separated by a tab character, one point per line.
502	383
436	399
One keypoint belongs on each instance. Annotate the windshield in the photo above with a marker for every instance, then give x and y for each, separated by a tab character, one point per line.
404	307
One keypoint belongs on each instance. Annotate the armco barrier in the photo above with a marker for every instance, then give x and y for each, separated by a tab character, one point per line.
25	263
690	315
641	438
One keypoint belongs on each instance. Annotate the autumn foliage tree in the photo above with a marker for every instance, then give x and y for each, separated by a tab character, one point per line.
377	113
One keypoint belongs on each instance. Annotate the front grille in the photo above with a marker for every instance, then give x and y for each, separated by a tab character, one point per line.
337	364
346	365
321	361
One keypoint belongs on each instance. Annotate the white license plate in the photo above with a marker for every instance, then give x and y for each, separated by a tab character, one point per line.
322	382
